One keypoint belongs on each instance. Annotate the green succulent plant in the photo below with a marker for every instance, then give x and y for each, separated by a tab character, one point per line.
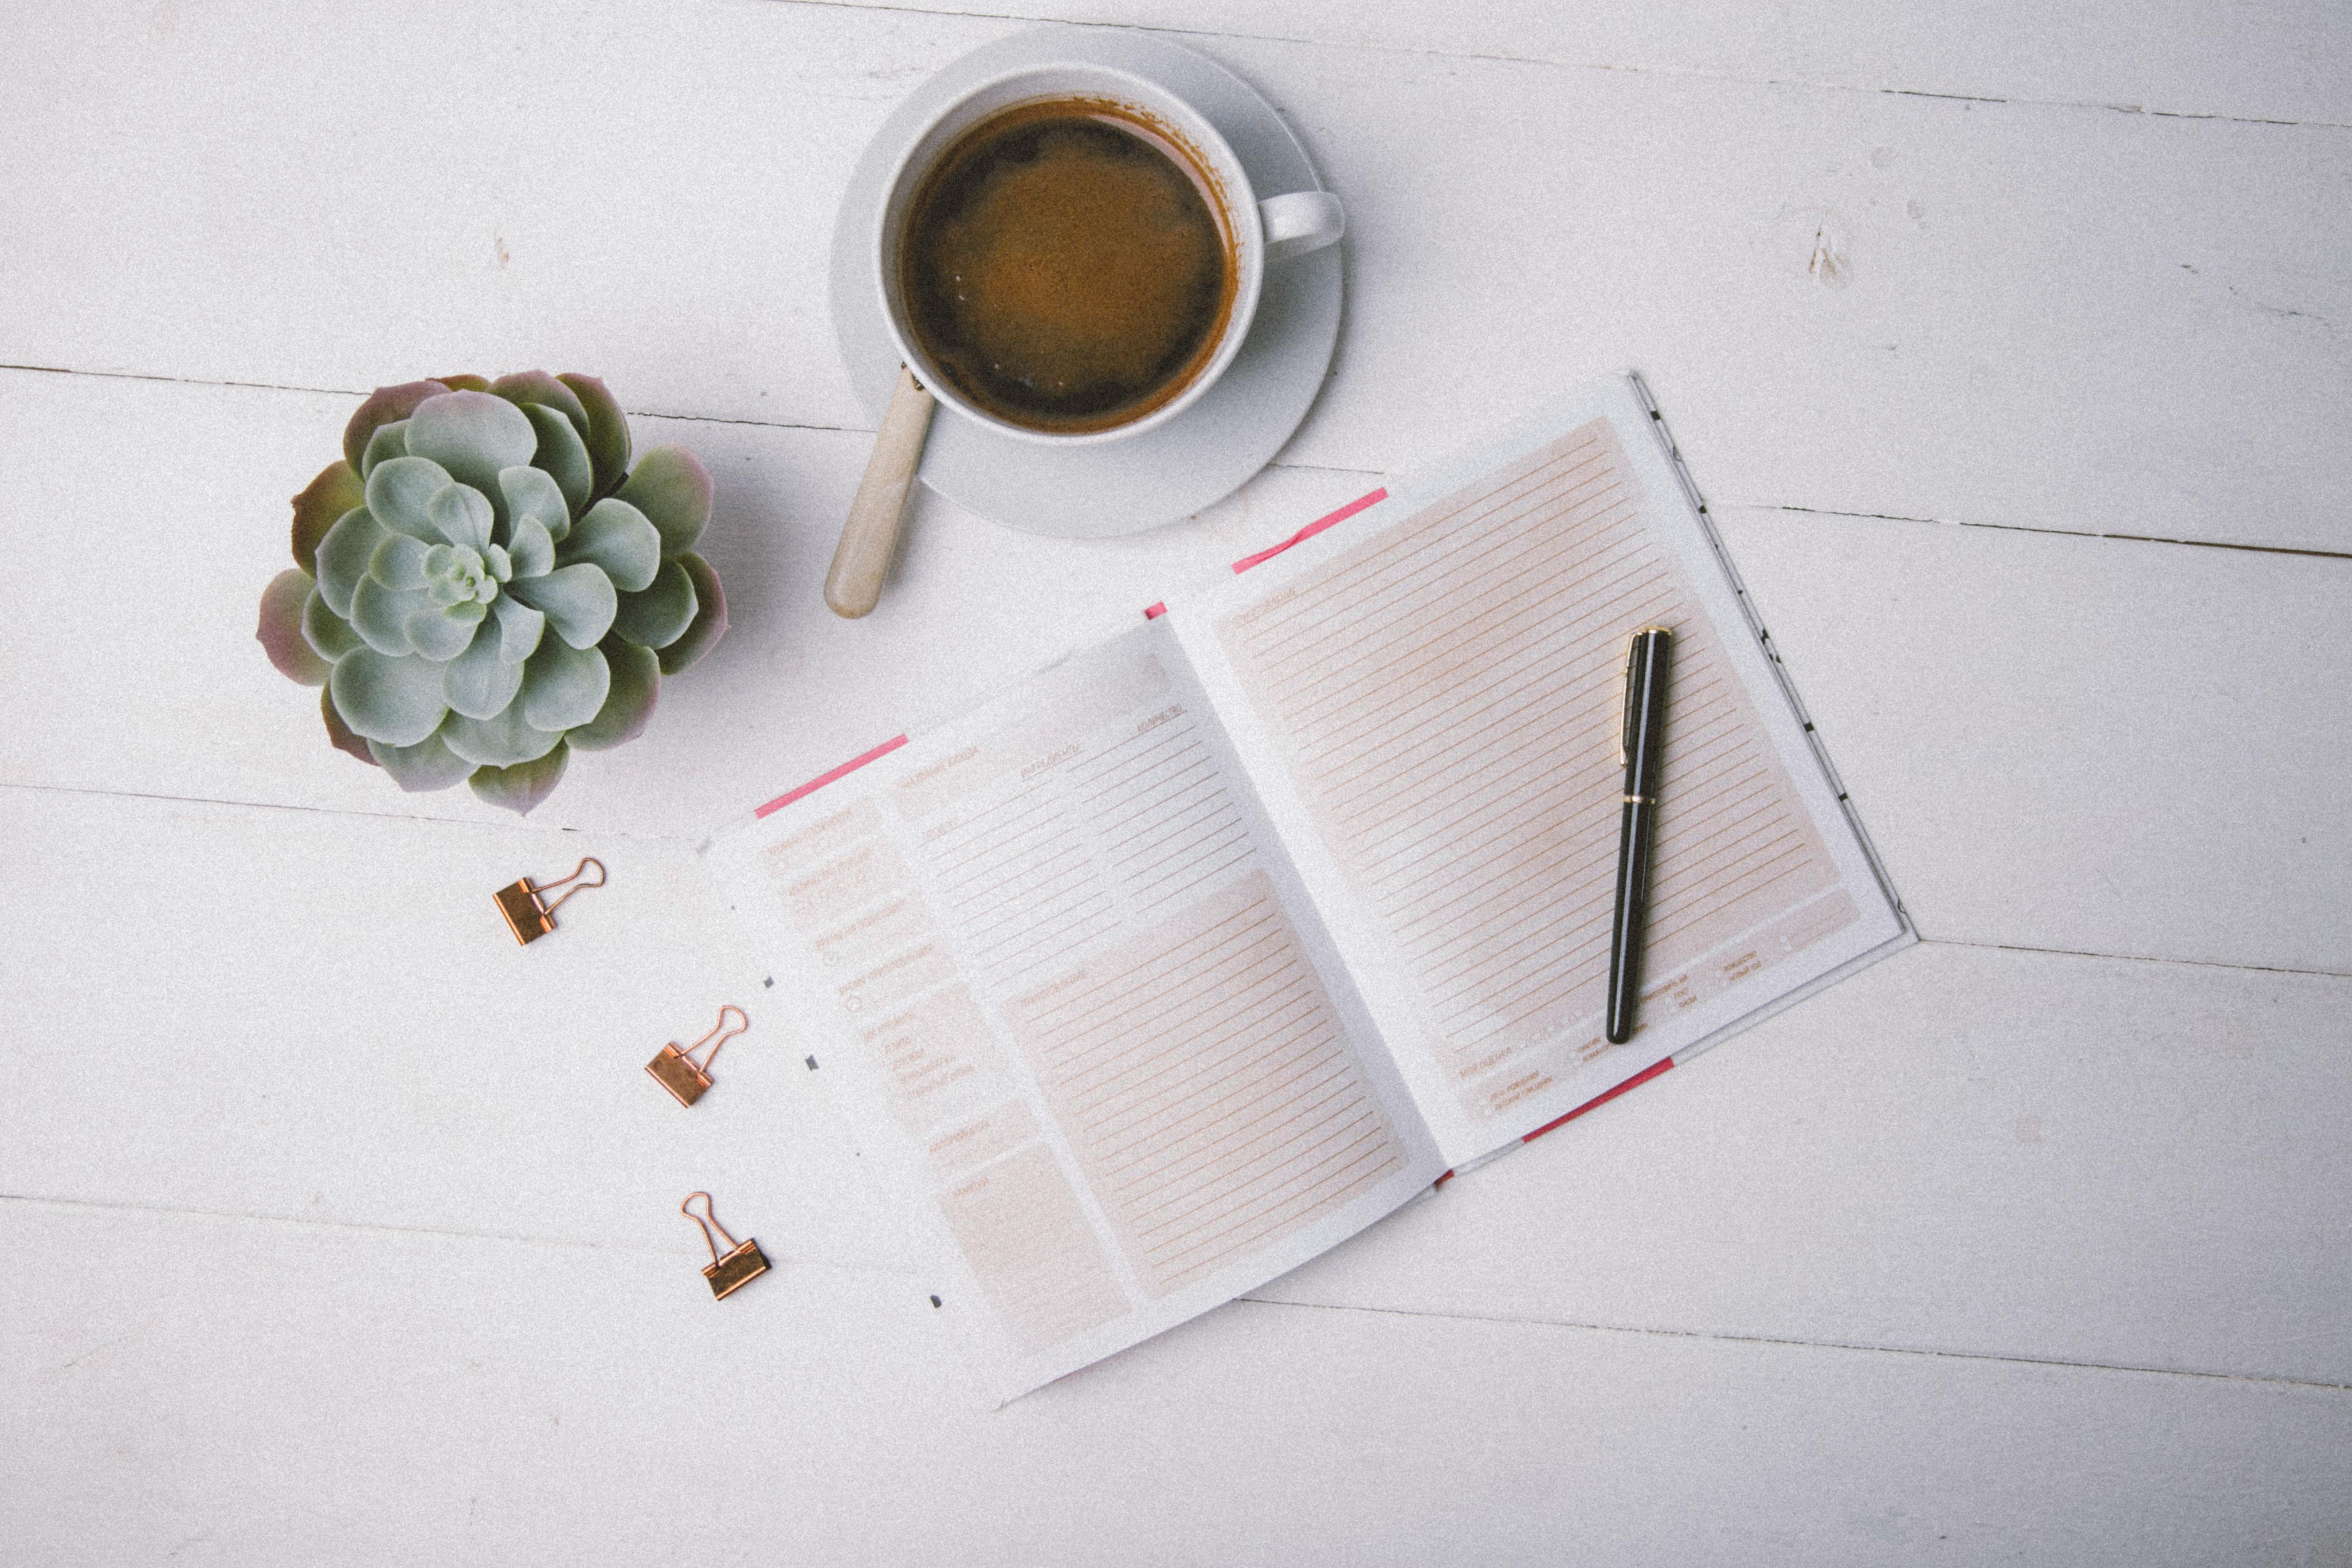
483	584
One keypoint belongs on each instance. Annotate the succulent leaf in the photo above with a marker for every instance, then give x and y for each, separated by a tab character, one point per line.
501	563
563	453
340	735
383	405
499	741
709	616
330	635
469	382
319	507
472	434
461	514
399	490
399	562
672	487
533	494
564	685
524	785
607	433
616	536
519	629
658	616
281	629
389	441
481	681
528	386
441	635
396	701
343	557
427	766
579	601
531	550
629	705
380	615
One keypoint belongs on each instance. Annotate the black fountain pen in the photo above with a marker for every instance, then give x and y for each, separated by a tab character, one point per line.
1643	746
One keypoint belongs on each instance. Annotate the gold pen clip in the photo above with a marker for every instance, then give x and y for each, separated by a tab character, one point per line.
1626	689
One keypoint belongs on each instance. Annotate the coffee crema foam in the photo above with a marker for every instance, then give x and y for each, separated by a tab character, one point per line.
1067	266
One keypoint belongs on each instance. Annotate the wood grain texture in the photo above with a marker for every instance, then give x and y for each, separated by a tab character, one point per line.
1961	1150
338	1228
240	1391
1964	1149
1862	302
2051	737
2271	61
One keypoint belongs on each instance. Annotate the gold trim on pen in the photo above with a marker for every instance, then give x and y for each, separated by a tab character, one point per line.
1640	800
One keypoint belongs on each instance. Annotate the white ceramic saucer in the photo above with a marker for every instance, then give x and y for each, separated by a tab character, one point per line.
1199	457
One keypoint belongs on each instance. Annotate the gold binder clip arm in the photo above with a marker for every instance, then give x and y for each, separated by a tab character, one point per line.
677	1071
728	1273
530	914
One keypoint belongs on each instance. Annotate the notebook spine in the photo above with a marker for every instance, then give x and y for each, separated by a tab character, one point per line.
1764	639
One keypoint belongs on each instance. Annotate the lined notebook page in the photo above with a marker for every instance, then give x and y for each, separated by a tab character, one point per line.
1442	694
1094	1017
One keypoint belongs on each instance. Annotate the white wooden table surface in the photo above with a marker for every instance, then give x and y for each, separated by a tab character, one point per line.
2013	343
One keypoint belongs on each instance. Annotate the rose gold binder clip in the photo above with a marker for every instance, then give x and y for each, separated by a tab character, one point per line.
677	1071
744	1263
531	913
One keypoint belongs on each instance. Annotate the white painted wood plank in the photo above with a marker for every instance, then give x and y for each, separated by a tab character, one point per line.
306	1015
1961	1150
292	1014
240	1392
158	686
2049	735
1862	302
2272	61
2051	738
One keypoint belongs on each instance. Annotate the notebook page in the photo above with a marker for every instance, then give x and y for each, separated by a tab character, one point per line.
1437	689
1092	1021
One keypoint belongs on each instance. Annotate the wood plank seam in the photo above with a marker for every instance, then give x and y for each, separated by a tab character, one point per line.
1926	940
1504	1320
1744	505
519	828
2040	528
497	1237
1563	63
1923	1351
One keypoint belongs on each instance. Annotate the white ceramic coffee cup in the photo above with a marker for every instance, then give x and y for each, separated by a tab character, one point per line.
1264	229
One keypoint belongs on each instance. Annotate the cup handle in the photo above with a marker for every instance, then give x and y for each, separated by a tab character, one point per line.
1299	222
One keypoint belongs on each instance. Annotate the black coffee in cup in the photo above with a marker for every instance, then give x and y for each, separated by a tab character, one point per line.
1067	266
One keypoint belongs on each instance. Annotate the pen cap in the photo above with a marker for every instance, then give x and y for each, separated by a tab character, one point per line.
1645	709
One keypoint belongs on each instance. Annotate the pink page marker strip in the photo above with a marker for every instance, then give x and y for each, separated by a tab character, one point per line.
1328	520
1310	531
1644	1076
818	782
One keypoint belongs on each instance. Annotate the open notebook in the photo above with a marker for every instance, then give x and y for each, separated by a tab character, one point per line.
1202	950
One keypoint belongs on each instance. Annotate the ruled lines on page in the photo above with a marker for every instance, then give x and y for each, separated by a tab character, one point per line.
1084	1003
1446	696
1205	1086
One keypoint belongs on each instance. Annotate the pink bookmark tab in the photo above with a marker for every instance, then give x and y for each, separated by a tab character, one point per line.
1644	1076
818	782
1330	520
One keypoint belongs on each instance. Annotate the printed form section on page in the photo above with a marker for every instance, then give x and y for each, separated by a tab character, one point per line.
1444	695
1090	1008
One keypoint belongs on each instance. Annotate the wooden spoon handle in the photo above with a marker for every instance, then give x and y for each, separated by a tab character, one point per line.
854	584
